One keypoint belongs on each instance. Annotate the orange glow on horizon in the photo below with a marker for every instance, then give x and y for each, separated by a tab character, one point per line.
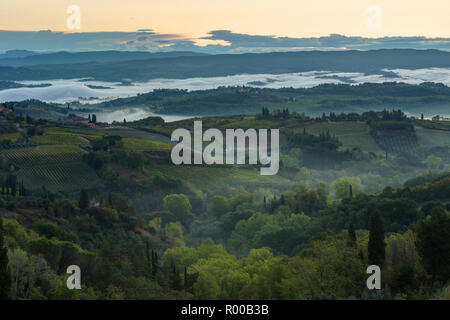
194	18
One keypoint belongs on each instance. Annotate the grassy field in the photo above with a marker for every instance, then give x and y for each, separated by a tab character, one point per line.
77	131
59	139
66	136
442	125
146	145
432	137
167	131
13	137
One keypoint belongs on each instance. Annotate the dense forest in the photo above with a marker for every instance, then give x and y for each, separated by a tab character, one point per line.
110	201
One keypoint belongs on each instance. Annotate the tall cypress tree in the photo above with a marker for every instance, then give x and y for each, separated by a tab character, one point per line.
186	281
351	237
376	248
13	184
83	203
110	202
147	254
154	263
175	279
5	276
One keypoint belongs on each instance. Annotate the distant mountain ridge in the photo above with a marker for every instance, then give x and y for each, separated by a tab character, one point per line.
182	67
16	54
64	57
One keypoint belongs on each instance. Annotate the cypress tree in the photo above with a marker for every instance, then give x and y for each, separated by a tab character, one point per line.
21	189
186	282
376	248
351	238
83	203
154	263
14	189
5	276
147	254
175	279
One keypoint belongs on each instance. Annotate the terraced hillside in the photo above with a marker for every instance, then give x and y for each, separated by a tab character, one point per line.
352	134
58	168
395	137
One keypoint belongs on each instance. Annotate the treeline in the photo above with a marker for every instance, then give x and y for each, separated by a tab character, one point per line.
10	186
301	244
319	151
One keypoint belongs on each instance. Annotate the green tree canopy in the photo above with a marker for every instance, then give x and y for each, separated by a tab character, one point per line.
433	243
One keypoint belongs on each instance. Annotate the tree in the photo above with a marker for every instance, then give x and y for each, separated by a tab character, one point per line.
342	187
5	276
220	205
110	200
179	206
304	176
175	279
376	247
94	118
351	238
432	162
83	202
433	244
154	262
174	233
206	287
12	183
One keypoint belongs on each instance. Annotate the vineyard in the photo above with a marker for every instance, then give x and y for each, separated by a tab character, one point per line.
58	168
395	143
395	137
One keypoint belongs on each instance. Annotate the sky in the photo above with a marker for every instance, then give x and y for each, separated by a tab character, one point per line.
195	18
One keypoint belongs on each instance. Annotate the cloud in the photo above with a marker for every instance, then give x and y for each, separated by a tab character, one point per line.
217	41
240	42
